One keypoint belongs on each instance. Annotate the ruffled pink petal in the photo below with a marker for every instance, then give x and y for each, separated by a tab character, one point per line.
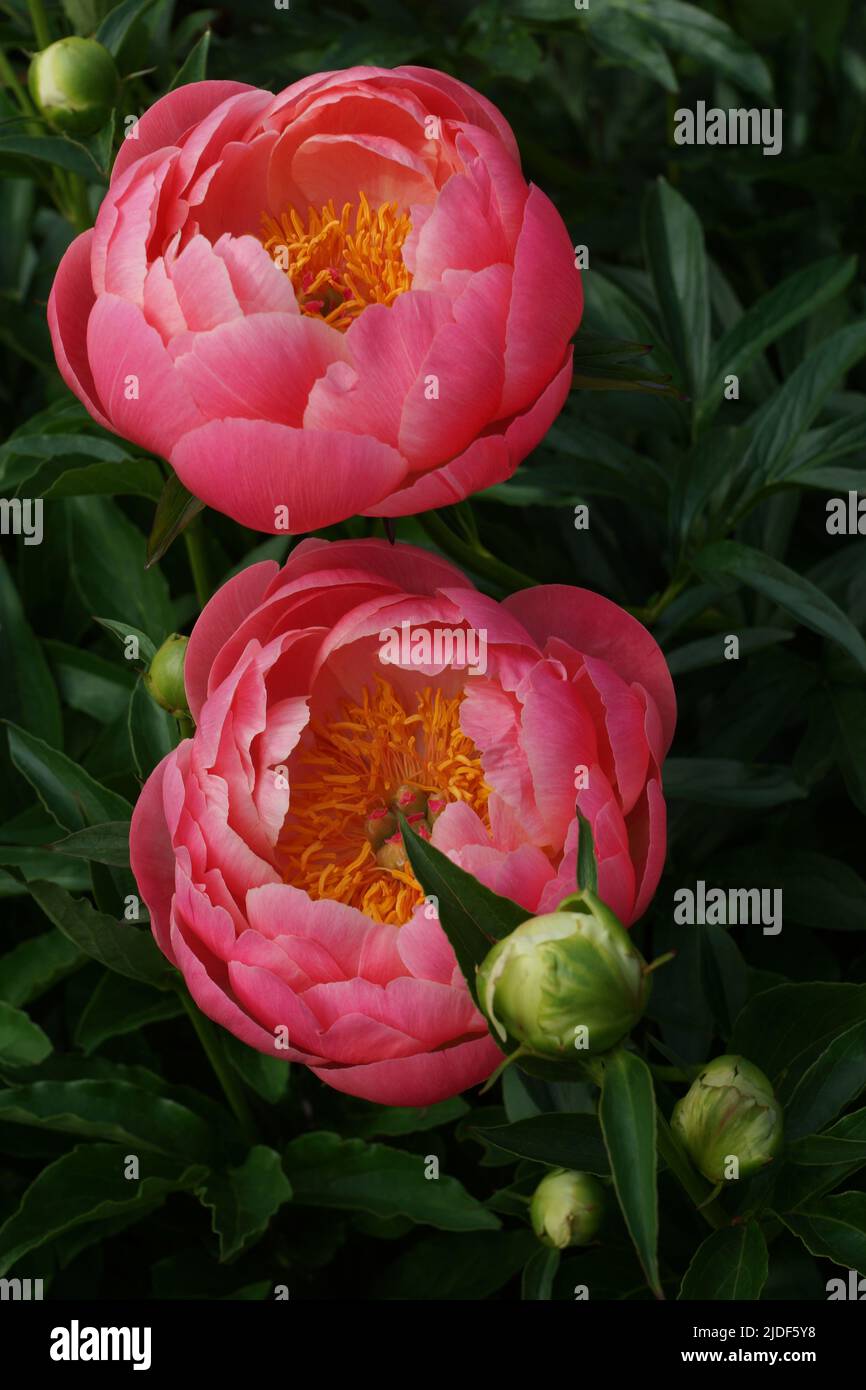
420	1080
250	468
217	621
151	855
143	396
259	368
600	628
170	117
258	283
546	303
69	306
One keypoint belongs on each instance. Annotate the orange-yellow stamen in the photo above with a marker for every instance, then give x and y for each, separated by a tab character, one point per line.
346	769
337	268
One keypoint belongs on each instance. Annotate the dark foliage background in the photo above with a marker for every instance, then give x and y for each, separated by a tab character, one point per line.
707	517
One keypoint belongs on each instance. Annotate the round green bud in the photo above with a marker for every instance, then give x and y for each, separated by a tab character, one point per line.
74	83
566	982
566	1208
729	1120
164	679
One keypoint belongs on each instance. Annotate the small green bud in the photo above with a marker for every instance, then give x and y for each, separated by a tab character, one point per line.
566	1208
74	83
164	679
565	982
729	1113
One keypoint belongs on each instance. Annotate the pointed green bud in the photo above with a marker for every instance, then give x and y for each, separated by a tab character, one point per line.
729	1121
74	83
164	679
566	1208
565	983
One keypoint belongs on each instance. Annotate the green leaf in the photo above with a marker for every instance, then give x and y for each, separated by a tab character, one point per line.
56	150
775	429
118	1006
350	1175
466	1267
152	730
833	1229
87	1184
832	1148
107	843
123	631
89	683
22	1042
67	792
408	1119
731	1264
245	1199
710	651
33	966
710	42
114	28
674	250
724	975
29	696
727	782
472	916
194	66
729	560
538	1275
818	891
774	314
849	711
175	510
559	1140
115	1111
136	477
108	566
622	36
118	945
833	1080
267	1076
785	1029
587	864
627	1111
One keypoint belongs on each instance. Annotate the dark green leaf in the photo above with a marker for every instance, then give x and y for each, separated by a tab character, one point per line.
731	1264
152	730
539	1274
175	510
33	966
627	1111
833	1229
833	1080
562	1141
785	1029
107	843
674	250
22	1042
119	1006
29	695
245	1199
194	67
128	950
726	782
67	792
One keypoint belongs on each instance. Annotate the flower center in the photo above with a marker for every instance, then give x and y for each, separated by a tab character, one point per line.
349	776
337	268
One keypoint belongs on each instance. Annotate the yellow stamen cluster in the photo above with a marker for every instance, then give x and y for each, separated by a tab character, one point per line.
352	765
337	268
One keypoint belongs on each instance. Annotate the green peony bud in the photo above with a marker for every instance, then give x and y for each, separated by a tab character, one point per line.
728	1113
74	83
565	981
566	1208
164	679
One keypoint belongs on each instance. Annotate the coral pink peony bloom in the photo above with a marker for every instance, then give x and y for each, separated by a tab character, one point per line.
264	846
343	299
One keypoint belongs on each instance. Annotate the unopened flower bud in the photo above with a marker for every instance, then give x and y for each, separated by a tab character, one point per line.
566	1208
74	83
729	1113
565	980
164	678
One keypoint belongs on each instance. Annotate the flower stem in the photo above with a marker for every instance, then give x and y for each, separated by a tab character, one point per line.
193	537
475	556
699	1190
231	1085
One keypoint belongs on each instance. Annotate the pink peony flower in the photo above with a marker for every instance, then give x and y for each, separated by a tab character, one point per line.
264	845
343	299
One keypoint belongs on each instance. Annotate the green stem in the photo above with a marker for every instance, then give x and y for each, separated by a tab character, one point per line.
699	1190
185	726
79	206
197	555
39	20
475	557
231	1085
10	80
